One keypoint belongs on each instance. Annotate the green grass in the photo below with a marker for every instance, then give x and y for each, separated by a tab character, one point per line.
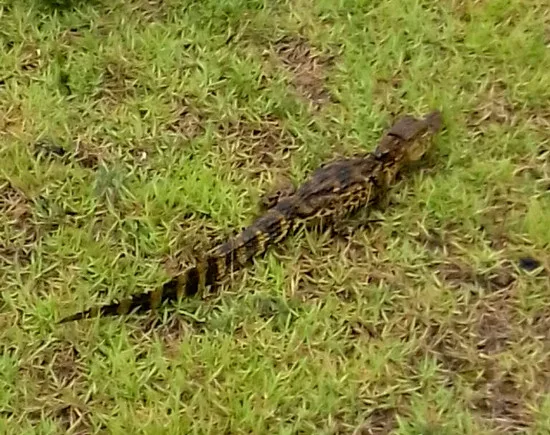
174	117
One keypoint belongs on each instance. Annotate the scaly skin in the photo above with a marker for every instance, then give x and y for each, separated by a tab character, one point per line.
334	190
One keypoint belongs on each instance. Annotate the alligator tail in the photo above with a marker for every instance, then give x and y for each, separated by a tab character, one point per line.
219	262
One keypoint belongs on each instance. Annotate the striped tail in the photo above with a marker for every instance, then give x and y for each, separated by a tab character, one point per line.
143	302
273	226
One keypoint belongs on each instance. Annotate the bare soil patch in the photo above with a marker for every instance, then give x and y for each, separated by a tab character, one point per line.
500	401
307	66
148	11
256	146
456	273
380	422
493	323
186	120
20	233
493	106
117	81
56	372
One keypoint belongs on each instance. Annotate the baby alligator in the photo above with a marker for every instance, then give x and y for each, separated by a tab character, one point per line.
334	190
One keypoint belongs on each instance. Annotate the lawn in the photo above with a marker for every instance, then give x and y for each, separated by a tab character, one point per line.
135	134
